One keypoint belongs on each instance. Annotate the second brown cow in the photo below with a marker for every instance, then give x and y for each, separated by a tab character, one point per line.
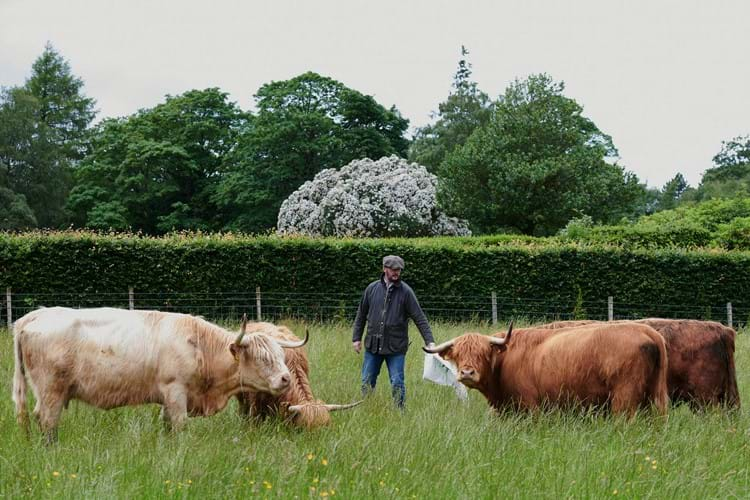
701	369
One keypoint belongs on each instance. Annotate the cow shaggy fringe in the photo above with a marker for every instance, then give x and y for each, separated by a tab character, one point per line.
212	342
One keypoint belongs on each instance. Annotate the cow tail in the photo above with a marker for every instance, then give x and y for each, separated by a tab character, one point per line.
660	394
19	378
731	394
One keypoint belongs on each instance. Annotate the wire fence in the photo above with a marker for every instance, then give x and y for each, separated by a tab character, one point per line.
326	307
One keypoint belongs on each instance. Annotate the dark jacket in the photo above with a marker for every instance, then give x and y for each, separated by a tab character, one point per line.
387	313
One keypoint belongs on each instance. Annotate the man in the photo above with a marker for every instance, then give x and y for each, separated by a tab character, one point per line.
386	306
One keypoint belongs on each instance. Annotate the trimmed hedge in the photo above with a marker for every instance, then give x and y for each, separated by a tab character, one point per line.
567	276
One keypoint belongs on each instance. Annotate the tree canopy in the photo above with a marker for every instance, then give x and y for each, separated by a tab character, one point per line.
730	176
466	109
43	134
537	164
157	170
302	126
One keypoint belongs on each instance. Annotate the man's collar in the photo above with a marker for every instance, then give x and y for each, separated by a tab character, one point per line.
384	282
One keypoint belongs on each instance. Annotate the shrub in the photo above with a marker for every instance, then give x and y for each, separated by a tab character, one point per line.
735	235
366	198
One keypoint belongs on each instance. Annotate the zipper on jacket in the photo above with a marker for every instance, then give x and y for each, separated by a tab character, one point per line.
382	317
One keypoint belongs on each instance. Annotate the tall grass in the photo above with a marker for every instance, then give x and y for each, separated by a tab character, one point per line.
438	448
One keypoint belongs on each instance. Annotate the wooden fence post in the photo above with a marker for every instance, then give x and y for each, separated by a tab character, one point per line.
494	309
131	298
610	308
257	301
10	309
729	314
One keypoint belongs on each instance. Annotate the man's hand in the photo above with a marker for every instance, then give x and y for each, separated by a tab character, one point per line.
357	346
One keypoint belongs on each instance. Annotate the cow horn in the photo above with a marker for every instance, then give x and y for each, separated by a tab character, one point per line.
343	407
294	345
439	348
329	407
242	330
504	340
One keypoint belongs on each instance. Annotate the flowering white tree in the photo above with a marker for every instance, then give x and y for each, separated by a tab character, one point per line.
387	197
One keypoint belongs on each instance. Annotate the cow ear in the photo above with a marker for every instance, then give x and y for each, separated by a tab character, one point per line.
235	350
496	359
447	353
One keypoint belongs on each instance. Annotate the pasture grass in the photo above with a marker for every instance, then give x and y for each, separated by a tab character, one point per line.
438	448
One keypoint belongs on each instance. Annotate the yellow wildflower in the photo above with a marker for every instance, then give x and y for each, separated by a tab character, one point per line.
324	462
315	480
55	473
73	476
267	485
310	456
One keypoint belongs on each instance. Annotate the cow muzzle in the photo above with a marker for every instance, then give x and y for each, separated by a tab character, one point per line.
281	385
469	377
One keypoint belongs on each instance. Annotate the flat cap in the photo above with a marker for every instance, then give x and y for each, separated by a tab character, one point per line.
393	262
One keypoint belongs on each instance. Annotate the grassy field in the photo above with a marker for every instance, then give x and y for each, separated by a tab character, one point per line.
437	448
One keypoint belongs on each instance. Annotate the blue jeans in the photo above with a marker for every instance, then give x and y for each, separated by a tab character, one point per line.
371	370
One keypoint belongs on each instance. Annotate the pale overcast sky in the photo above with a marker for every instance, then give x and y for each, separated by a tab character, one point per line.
668	80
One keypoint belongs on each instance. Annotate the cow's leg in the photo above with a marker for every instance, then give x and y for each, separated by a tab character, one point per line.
244	406
51	393
175	406
49	414
627	397
165	420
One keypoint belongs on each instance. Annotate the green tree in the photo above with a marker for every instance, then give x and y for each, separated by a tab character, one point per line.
670	195
302	126
62	108
156	170
29	162
466	109
730	177
14	211
537	164
733	153
43	134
